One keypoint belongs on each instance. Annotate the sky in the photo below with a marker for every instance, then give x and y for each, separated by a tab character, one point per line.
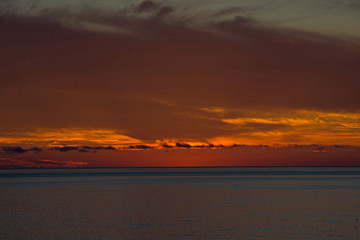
179	83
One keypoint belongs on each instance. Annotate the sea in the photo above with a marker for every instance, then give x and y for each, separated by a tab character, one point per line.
180	203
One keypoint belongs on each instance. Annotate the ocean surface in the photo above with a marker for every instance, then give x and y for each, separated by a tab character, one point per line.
180	203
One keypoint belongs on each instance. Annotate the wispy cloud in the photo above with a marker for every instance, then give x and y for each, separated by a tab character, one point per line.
38	163
213	109
290	127
68	136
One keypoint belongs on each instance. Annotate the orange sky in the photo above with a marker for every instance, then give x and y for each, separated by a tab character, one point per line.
168	84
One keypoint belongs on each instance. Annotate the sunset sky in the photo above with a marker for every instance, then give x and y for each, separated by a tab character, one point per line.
117	83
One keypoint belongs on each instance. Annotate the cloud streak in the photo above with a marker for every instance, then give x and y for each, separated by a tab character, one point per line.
297	127
38	163
68	136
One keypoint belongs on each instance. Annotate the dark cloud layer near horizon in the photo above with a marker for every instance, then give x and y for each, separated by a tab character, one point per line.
164	146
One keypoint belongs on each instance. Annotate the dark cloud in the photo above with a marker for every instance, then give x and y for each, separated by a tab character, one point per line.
65	149
341	146
238	145
85	149
35	149
251	146
164	145
304	146
147	5
183	145
81	148
164	11
13	149
140	147
99	148
156	10
20	149
320	148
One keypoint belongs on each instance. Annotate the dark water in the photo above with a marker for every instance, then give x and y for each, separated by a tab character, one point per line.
180	203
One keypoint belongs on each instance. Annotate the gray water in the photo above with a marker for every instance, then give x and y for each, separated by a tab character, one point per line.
180	203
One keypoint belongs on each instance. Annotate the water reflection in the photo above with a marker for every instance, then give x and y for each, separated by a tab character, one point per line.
223	203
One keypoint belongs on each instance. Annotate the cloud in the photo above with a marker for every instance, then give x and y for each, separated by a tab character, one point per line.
164	11
20	149
166	146
146	5
99	148
82	148
276	121
38	163
67	136
140	147
213	109
64	149
229	11
13	149
296	126
341	146
183	145
320	149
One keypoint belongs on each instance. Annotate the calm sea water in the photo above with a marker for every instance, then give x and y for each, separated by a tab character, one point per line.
180	203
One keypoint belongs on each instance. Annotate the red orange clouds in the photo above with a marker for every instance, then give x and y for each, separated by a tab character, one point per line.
139	74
